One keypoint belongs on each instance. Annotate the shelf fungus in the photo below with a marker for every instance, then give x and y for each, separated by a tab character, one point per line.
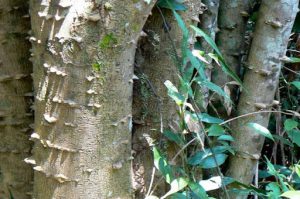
90	78
117	165
30	161
35	136
274	24
61	178
50	119
90	92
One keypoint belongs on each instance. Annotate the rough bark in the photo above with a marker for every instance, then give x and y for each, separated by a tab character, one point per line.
209	24
83	69
15	100
155	65
232	20
269	45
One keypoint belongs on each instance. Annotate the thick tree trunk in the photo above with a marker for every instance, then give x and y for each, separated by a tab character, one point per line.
232	20
153	108
15	100
83	70
269	45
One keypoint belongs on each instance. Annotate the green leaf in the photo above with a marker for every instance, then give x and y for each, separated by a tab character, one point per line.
213	87
197	158
10	194
162	165
181	24
296	169
216	130
224	66
272	170
212	162
204	117
174	94
290	124
176	185
296	84
261	130
274	190
198	190
293	59
205	159
294	135
226	138
174	137
199	66
291	194
172	5
96	66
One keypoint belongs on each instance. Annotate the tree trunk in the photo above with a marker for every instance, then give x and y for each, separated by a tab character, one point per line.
269	45
209	24
15	100
154	110
83	70
232	21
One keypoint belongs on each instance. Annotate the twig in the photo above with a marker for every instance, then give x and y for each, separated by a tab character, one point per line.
256	179
253	113
291	70
151	182
182	149
166	27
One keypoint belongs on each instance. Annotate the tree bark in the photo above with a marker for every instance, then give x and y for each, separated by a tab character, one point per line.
269	45
155	111
15	100
232	21
83	69
209	24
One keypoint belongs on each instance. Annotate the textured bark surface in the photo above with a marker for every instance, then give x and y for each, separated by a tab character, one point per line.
154	66
230	39
15	100
269	45
154	61
83	115
209	24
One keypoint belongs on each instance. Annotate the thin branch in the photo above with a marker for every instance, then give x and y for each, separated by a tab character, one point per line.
254	113
151	182
295	72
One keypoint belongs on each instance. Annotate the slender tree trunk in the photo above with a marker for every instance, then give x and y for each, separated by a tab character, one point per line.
153	108
269	45
15	100
83	70
209	24
232	21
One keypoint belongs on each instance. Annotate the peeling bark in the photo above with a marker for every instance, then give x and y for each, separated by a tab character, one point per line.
230	39
154	62
15	100
83	69
269	45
